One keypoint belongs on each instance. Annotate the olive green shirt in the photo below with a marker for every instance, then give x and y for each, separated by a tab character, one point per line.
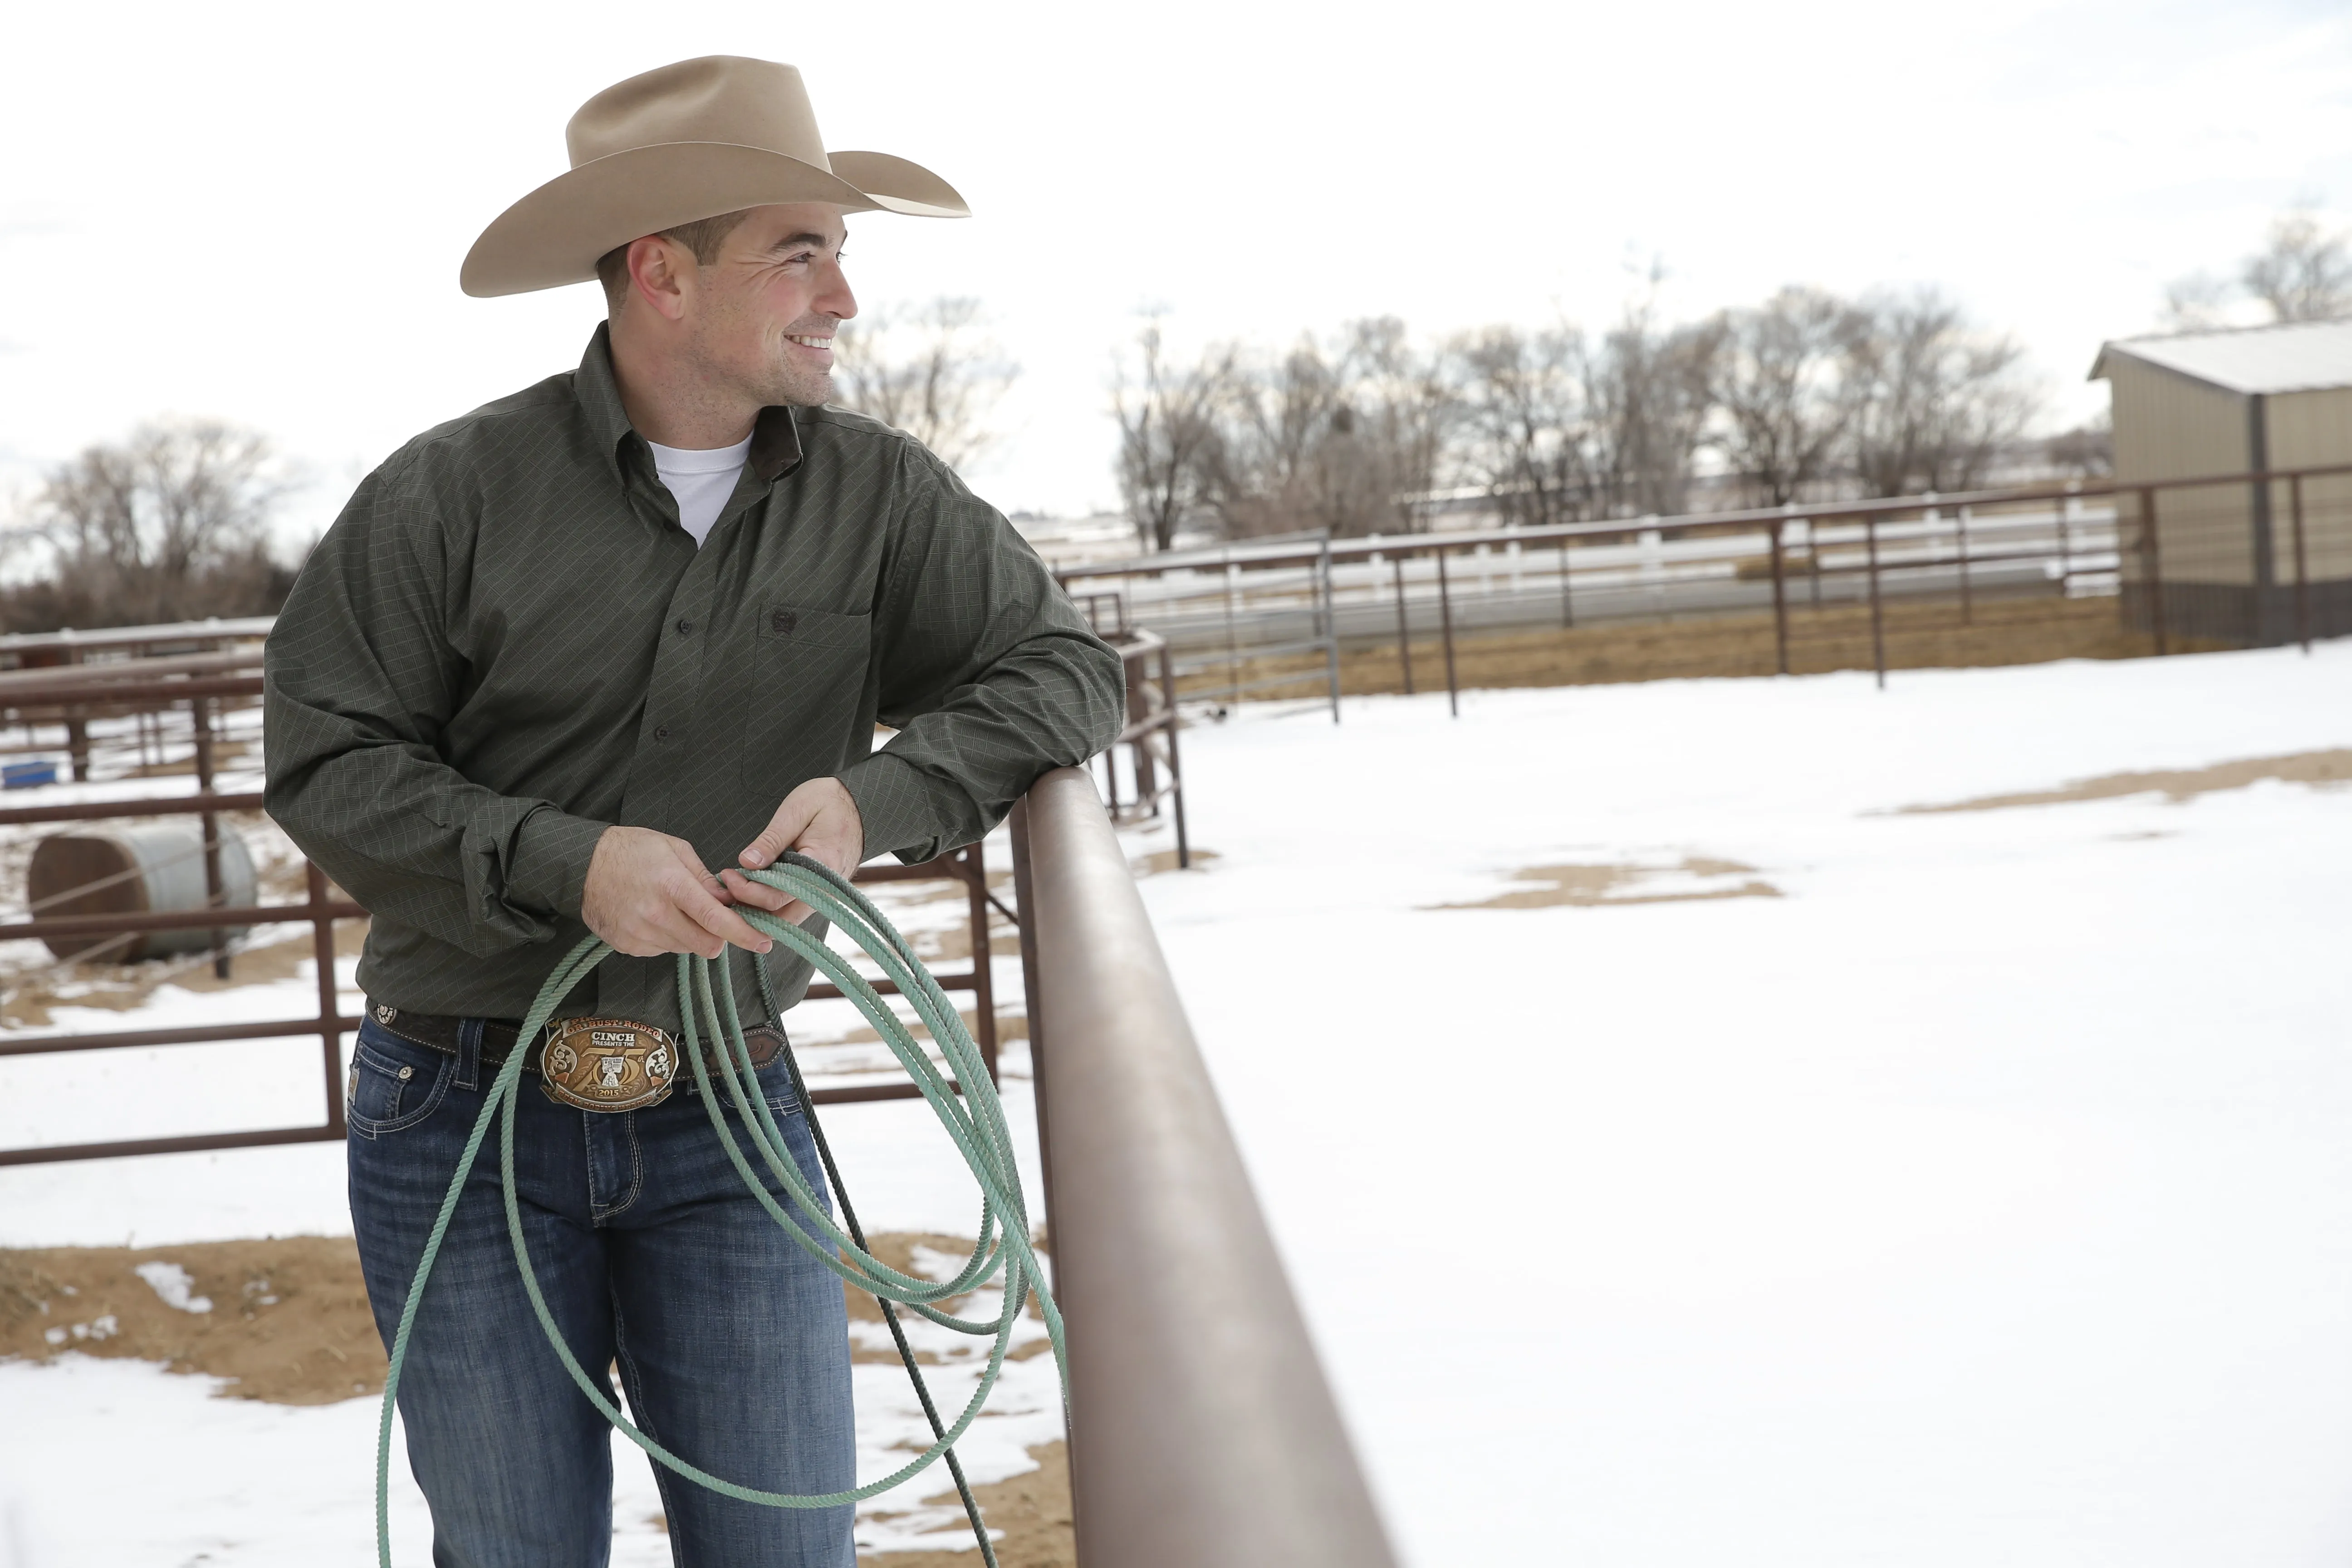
507	643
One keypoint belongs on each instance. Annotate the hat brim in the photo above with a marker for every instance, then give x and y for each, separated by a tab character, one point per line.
554	236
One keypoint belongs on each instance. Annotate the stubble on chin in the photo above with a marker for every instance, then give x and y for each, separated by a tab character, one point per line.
796	385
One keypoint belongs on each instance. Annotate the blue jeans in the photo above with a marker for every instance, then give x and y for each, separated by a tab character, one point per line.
733	1344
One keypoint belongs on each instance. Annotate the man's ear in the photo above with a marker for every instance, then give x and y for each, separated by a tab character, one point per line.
662	273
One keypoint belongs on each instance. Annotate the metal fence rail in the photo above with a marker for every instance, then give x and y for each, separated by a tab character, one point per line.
1851	572
1202	1433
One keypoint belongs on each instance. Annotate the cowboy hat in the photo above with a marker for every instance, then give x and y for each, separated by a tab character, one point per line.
687	142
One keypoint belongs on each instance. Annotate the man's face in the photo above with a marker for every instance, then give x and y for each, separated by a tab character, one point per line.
765	311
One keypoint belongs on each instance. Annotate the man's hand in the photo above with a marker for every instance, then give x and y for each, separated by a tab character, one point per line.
647	894
821	821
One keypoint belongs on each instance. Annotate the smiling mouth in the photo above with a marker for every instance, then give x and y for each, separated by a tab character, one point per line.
822	345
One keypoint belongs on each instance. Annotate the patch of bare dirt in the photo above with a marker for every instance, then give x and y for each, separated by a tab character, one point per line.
1590	886
896	1250
1160	861
1033	1509
2320	770
289	1320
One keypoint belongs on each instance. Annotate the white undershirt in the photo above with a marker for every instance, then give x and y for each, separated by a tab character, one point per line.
700	481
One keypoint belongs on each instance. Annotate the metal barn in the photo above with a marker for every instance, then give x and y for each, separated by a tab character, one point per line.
2245	562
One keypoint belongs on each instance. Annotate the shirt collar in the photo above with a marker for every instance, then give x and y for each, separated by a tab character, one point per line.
775	435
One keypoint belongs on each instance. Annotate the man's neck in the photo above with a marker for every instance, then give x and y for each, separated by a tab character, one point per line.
670	406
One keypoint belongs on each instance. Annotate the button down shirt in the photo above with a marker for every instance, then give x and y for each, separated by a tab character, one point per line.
507	643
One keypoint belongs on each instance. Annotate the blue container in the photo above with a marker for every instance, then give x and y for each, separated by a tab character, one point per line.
25	775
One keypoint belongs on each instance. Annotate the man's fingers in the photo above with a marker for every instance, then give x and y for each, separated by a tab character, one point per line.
705	911
759	895
782	829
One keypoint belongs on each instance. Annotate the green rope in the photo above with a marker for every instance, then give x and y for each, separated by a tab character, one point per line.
966	1105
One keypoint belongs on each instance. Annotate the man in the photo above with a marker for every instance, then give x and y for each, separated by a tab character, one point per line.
556	659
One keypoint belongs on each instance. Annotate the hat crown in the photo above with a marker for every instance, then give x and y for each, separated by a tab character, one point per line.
724	99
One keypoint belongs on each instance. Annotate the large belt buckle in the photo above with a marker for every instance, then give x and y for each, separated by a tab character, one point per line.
607	1064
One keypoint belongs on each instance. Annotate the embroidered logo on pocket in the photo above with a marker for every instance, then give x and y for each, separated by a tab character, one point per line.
783	621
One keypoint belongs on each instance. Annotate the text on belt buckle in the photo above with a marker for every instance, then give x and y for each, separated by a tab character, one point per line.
607	1064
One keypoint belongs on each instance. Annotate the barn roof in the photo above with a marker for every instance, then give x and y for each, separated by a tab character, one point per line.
2293	356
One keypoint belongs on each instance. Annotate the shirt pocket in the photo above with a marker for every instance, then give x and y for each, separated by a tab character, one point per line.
809	670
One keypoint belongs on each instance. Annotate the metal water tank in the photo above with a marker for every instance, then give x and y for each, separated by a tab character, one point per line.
104	869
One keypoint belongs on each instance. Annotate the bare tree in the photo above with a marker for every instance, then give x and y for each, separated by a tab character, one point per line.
1403	411
1933	400
2195	304
931	370
2087	452
1170	457
170	524
1779	387
1284	459
2304	274
1347	438
1524	418
1649	390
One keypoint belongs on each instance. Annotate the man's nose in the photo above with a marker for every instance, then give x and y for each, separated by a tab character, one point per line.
835	297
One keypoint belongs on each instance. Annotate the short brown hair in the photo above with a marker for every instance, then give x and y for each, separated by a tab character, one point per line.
703	237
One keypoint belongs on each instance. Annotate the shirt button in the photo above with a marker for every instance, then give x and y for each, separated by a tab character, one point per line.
662	733
684	625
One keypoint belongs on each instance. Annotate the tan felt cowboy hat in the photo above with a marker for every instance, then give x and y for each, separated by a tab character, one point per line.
686	142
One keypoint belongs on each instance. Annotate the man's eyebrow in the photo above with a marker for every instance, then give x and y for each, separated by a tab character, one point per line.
822	241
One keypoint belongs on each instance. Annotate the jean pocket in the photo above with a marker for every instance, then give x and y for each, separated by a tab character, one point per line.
395	1083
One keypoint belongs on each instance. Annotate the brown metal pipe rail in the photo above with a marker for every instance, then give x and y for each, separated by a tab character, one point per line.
1203	1434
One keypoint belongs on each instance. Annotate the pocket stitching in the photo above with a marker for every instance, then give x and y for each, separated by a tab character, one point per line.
368	1127
815	628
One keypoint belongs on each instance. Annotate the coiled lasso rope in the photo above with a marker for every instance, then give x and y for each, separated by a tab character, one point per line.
975	1123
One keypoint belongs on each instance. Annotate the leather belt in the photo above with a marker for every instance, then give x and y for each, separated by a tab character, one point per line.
438	1032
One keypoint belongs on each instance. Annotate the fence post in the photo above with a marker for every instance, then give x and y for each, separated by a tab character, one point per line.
1567	612
322	951
199	713
1968	604
1877	624
2065	549
2301	577
1405	634
1780	603
1446	625
1233	637
1175	764
1330	629
2152	566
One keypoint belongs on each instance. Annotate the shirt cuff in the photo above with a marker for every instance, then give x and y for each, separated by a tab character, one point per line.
550	868
893	805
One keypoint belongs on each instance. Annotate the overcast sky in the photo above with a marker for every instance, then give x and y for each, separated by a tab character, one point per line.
257	212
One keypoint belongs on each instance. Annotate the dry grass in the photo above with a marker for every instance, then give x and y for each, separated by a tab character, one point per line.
1998	632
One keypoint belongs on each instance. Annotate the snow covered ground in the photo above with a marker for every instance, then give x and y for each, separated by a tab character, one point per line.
1985	1198
1982	1197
